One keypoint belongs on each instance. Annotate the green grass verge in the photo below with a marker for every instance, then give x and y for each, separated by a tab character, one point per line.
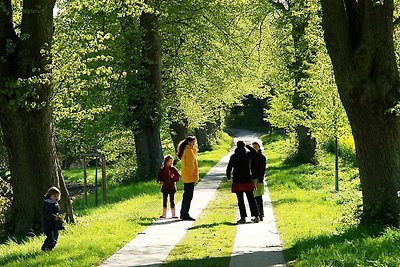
100	231
210	240
315	223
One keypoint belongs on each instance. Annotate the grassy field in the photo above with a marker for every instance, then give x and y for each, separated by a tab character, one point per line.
317	225
100	231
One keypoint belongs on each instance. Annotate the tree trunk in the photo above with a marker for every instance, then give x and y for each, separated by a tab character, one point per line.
149	153
33	164
306	143
202	139
25	115
178	133
306	146
377	141
148	104
359	38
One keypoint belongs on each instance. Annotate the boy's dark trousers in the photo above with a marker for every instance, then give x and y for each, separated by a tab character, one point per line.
260	205
188	189
252	204
51	240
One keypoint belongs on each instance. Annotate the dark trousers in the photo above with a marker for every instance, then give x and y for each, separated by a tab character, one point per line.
51	240
188	189
252	204
260	205
171	199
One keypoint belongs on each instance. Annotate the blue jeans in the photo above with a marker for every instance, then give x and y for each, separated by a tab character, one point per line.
51	240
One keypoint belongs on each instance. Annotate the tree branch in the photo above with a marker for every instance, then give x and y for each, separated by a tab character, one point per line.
336	31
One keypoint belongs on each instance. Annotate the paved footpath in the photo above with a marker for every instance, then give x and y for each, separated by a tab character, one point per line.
151	247
257	244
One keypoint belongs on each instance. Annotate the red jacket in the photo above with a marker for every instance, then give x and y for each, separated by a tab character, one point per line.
168	176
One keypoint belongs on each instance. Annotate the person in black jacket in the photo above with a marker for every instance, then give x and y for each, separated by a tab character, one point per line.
258	165
52	222
242	180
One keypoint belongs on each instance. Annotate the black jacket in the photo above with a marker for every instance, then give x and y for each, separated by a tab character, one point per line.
240	163
50	210
258	165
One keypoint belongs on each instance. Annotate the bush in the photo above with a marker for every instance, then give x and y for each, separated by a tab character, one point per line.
347	150
120	152
5	201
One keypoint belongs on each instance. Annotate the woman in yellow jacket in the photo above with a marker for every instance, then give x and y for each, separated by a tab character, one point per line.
187	153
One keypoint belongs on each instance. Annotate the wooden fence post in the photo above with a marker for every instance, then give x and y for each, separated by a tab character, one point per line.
104	178
84	180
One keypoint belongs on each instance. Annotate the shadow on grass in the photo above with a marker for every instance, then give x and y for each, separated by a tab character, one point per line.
17	256
287	200
211	225
361	243
253	259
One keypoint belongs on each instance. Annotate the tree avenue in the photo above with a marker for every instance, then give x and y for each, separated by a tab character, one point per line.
25	114
359	38
132	78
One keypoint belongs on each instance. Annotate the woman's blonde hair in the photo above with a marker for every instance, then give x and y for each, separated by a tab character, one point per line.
52	191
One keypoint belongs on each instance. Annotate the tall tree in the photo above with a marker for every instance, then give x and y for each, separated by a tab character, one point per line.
25	114
145	99
359	38
298	16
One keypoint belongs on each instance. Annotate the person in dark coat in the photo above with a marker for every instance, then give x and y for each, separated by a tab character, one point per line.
242	179
52	222
168	176
258	167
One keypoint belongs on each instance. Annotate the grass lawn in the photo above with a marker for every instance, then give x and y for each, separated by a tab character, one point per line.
100	231
209	241
315	223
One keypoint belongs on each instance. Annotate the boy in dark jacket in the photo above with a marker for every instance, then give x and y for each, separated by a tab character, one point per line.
52	222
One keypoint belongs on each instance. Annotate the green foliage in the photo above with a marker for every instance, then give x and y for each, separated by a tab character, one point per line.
209	64
89	96
346	149
298	73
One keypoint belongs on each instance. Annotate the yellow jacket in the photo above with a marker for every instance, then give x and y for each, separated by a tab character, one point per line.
190	169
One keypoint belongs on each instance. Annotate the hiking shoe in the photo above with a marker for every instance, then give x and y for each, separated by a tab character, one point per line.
241	221
187	218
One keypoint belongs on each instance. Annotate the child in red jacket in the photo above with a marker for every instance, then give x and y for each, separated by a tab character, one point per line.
168	176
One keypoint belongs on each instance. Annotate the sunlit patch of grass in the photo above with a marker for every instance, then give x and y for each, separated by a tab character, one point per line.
210	240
